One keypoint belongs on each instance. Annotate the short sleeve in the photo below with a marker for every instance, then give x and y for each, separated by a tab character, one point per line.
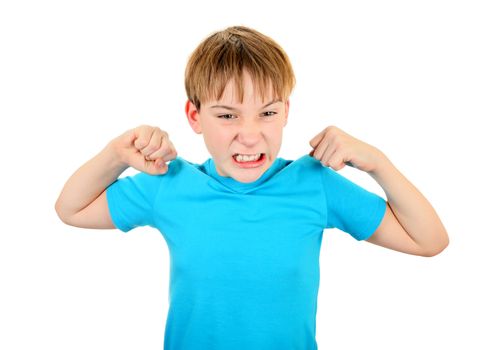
131	200
351	208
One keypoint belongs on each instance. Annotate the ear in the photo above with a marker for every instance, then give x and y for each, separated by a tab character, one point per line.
286	112
193	117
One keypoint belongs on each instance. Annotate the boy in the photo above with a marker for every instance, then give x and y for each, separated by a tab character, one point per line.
244	228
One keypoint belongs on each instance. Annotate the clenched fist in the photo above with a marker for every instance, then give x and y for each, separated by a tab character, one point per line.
335	148
145	148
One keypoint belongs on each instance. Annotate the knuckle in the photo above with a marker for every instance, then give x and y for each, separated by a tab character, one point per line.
139	143
169	152
332	129
143	127
154	144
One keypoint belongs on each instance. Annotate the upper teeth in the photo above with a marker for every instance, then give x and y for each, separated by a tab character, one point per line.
247	158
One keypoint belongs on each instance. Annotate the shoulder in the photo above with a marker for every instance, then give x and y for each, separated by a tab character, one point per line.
180	166
305	163
306	169
331	180
142	180
304	172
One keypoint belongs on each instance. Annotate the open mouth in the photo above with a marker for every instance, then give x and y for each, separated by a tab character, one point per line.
251	160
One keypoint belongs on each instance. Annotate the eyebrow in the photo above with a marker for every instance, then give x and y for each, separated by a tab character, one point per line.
235	109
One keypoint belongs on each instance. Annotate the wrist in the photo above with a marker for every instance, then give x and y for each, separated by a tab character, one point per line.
114	158
381	163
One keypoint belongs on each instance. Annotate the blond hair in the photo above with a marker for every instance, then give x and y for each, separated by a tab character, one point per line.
224	55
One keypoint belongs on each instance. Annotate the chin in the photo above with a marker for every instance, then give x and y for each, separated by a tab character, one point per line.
247	179
250	175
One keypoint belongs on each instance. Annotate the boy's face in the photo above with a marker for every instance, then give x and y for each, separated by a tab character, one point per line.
251	129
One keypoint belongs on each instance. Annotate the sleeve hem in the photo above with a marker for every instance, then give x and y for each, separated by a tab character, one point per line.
154	203
326	211
114	216
376	221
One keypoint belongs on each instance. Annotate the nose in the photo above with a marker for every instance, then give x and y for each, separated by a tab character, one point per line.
249	133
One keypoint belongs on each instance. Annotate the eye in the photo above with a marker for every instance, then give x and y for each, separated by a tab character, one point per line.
226	116
269	113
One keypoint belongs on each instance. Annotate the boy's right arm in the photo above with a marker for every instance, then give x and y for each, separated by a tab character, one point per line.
83	201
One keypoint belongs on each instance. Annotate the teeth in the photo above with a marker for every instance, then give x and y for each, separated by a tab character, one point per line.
247	158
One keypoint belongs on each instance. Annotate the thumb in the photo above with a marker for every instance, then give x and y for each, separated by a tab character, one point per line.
156	167
151	167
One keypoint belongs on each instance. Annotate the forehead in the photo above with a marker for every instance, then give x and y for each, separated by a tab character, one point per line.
248	91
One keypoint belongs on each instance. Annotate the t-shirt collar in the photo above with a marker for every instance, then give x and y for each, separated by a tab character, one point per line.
242	186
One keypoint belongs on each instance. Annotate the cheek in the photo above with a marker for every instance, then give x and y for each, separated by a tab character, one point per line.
274	138
275	132
218	137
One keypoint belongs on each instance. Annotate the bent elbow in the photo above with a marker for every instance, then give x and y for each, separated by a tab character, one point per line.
437	250
60	213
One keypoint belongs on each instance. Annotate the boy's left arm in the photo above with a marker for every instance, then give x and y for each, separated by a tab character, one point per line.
410	224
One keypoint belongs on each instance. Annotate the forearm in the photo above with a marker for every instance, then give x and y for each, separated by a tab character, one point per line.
411	208
89	181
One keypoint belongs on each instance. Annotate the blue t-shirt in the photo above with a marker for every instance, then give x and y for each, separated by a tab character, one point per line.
244	257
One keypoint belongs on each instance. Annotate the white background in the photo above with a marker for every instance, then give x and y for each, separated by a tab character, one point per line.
416	79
